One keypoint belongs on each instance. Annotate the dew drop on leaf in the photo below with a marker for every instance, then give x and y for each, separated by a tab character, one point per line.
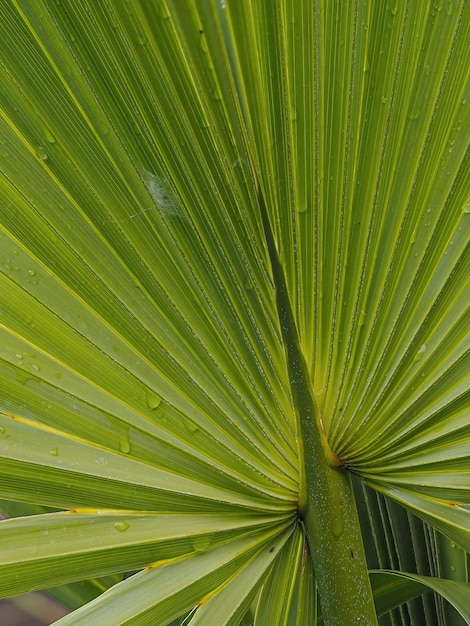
153	400
41	153
121	526
419	354
49	137
190	425
124	443
55	451
200	543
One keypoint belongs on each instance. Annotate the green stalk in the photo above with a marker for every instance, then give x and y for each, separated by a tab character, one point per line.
326	500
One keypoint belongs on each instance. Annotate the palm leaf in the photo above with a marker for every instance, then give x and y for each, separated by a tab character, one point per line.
233	240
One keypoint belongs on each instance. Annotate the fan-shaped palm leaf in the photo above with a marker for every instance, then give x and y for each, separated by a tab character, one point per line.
234	272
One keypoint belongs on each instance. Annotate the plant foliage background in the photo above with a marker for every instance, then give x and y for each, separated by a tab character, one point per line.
146	151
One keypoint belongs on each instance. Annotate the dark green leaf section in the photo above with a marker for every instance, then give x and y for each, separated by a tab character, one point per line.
396	539
393	588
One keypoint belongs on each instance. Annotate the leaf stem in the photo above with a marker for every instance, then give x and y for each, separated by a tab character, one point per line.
326	500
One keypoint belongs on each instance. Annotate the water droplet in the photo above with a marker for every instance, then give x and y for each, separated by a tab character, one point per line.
2	429
452	568
362	318
153	400
200	543
55	451
301	208
124	443
190	425
32	272
49	137
41	153
121	526
466	208
384	99
419	354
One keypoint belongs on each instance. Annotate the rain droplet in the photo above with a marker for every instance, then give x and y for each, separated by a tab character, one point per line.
32	272
466	208
55	451
200	543
153	400
124	443
419	354
190	425
121	526
41	153
49	137
2	429
384	99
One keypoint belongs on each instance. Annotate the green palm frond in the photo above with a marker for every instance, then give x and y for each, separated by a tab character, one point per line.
234	274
